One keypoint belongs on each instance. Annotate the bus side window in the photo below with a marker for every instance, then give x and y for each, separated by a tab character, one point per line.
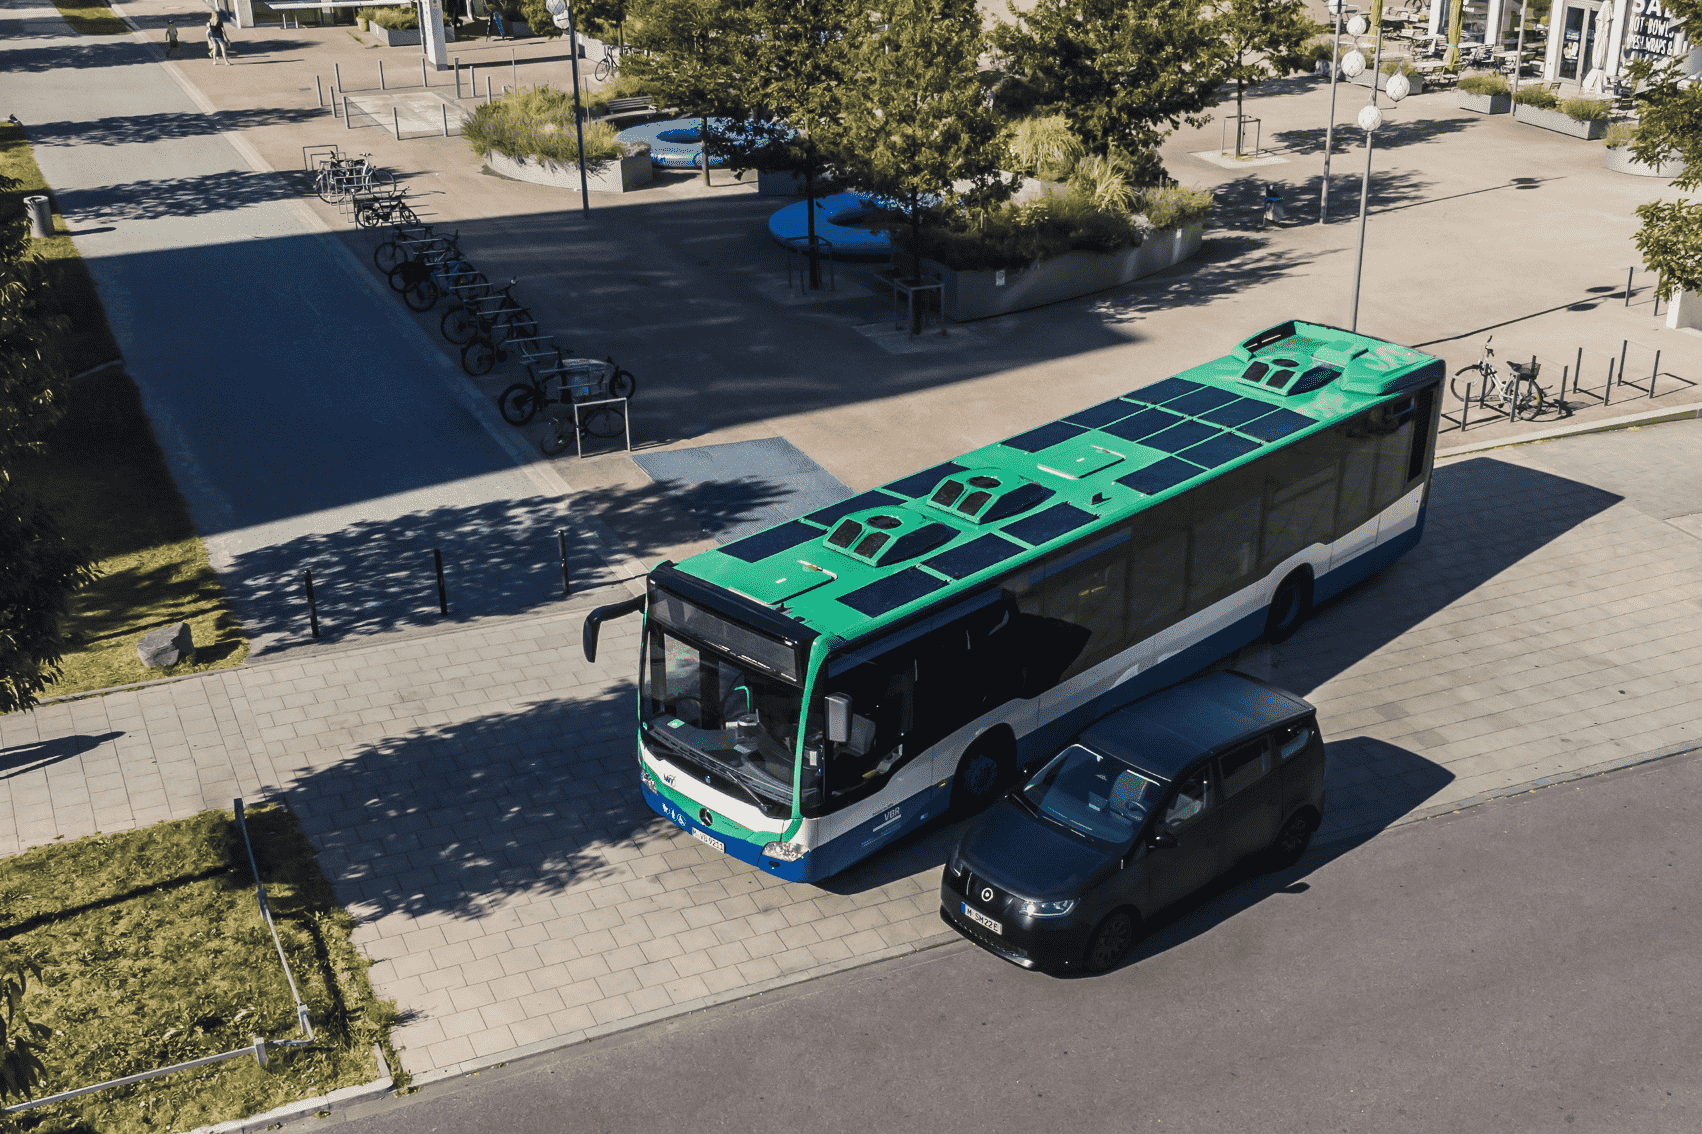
1300	501
1226	532
1158	579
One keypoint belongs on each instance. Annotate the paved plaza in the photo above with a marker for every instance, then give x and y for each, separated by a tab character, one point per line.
470	783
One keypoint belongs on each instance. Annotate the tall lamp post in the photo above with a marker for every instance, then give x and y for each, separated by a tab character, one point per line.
1330	128
1369	119
561	12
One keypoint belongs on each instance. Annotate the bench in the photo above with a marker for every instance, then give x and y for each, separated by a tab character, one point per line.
640	104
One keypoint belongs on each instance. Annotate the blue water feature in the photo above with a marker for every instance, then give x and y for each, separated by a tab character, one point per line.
676	143
835	215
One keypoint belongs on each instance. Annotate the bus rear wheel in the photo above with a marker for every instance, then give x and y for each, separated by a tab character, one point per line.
980	775
1290	607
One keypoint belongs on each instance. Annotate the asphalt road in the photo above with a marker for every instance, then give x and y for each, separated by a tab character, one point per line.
1528	964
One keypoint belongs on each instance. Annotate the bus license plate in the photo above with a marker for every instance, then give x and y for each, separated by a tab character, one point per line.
707	841
980	918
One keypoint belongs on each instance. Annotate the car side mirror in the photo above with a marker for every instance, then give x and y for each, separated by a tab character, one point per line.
838	707
1159	840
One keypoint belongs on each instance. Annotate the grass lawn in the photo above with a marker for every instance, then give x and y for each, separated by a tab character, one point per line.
153	952
91	18
105	479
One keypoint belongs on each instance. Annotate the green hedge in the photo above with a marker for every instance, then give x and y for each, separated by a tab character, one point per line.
1586	109
1171	206
1482	83
1619	134
1536	96
538	124
396	19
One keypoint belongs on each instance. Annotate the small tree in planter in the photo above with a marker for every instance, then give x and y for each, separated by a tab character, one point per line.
1485	93
1264	39
690	50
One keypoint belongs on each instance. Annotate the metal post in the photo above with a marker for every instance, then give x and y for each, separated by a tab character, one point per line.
489	98
1330	129
442	590
381	85
1653	374
579	123
1607	391
1465	407
1519	51
319	86
561	538
338	68
1629	272
312	609
1578	371
425	80
1565	371
446	120
514	67
348	123
473	77
1623	343
1365	185
457	78
396	122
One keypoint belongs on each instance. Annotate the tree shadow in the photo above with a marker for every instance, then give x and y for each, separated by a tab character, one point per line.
33	757
1391	135
164	197
143	128
455	819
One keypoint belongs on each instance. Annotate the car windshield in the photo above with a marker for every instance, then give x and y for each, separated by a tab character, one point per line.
723	716
1093	795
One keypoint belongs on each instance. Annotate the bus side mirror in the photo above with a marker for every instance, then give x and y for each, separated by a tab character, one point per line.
838	717
602	614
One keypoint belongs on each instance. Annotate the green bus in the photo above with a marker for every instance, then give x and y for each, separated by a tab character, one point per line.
810	692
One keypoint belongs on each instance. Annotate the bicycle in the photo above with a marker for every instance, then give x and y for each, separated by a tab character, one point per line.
1519	394
520	402
472	318
609	65
426	278
340	176
385	210
407	242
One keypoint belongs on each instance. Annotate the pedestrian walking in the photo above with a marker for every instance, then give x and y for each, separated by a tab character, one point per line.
1274	212
171	43
218	39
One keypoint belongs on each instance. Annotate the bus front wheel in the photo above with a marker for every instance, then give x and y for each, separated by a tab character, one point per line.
1289	607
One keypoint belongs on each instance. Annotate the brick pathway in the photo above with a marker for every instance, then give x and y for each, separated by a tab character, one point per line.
471	789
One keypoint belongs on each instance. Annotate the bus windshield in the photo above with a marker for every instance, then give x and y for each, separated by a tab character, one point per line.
705	709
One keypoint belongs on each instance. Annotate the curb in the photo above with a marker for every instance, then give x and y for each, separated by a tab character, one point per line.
304	1108
1629	421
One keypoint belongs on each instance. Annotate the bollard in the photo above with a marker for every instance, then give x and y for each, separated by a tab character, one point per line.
442	591
312	608
348	123
1465	407
1607	390
473	78
457	77
1623	344
1653	374
425	80
396	123
40	210
320	87
514	67
1629	272
561	538
1564	371
446	120
488	97
381	85
338	67
1578	370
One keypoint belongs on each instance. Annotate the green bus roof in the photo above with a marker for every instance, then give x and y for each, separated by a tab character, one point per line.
878	557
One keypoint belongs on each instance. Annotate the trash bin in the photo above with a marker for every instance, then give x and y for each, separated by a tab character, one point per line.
41	216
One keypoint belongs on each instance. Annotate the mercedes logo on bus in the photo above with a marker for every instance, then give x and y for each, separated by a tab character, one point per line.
986	893
708	819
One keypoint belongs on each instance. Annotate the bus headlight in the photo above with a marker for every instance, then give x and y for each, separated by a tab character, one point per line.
649	780
785	852
1048	909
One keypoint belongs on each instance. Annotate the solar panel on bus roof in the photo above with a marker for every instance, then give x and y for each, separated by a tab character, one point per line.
1160	475
1103	414
1045	437
892	592
976	555
919	484
1238	411
1143	424
1042	527
1200	401
874	498
1161	392
1219	450
1276	426
760	546
1179	437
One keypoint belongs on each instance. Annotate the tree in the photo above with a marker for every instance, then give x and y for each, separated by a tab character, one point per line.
602	17
1671	131
21	1039
39	568
917	128
690	49
1263	39
790	80
1124	72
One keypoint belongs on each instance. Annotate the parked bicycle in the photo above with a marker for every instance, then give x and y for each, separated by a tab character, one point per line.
609	65
1517	393
405	243
496	315
426	279
338	177
384	210
578	379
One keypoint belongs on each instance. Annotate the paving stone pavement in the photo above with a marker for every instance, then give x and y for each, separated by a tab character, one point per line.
471	791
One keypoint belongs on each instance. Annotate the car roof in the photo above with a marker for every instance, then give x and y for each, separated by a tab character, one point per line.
1167	731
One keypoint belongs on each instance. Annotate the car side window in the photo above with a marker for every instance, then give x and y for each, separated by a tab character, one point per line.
1290	739
1188	804
1243	766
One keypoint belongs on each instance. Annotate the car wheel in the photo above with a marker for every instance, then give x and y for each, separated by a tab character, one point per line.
1110	942
1291	842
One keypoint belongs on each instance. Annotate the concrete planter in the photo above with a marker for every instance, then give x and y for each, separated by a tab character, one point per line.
1559	121
1620	160
621	176
1486	103
979	295
1363	79
405	37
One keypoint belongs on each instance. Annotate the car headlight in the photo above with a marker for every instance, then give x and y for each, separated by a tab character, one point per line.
785	852
1048	909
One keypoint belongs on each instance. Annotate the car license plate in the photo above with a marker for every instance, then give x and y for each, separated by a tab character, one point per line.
980	918
707	841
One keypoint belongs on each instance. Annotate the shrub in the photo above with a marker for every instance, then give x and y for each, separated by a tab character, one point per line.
1586	109
1536	96
1399	66
396	19
1619	134
538	123
1044	147
1484	83
1318	51
1104	181
1020	236
1171	206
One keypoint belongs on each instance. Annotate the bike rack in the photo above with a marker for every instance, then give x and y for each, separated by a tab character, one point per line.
579	433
